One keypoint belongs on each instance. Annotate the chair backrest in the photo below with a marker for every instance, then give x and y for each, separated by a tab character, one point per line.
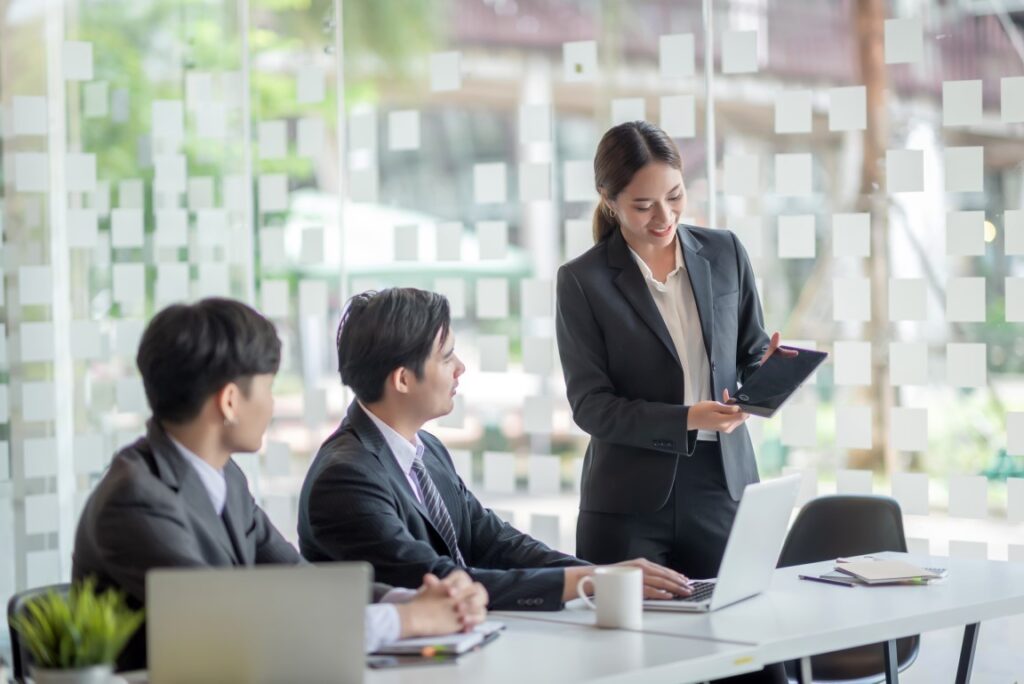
21	657
843	525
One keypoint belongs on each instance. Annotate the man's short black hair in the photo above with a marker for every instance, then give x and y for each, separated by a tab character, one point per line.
190	351
386	330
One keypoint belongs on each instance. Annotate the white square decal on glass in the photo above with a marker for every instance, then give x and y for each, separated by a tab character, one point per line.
965	233
171	227
853	427
537	419
679	115
404	130
961	103
274	298
96	100
407	243
966	364
750	233
851	299
131	194
82	228
904	170
499	472
799	424
908	299
851	235
535	123
1015	499
544	475
129	283
965	169
37	401
80	172
309	136
578	181
535	182
362	129
1014	298
36	341
628	109
793	174
88	341
853	363
908	363
1012	99
312	246
911	490
309	85
492	298
35	286
490	183
537	355
493	239
1015	434
29	115
793	111
273	193
579	61
847	109
272	247
537	298
968	496
172	282
454	290
853	481
578	237
904	41
909	430
312	299
739	52
31	172
273	137
445	71
493	353
675	55
965	300
449	241
1013	227
168	121
796	237
740	175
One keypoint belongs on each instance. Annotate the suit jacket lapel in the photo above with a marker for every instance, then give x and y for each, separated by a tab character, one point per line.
177	474
631	283
371	438
699	270
235	517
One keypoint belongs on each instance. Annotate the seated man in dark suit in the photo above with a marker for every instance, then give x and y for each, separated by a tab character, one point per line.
175	498
383	491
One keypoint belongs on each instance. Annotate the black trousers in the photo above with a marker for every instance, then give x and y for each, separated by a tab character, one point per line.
688	534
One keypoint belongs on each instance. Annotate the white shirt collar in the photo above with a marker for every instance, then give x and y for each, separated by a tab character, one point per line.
405	452
213	480
648	275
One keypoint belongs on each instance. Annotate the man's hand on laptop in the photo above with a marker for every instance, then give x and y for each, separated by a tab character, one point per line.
453	604
660	582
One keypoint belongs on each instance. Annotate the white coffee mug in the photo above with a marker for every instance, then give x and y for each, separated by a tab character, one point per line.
620	596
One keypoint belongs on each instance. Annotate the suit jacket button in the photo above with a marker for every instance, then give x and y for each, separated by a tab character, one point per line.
712	366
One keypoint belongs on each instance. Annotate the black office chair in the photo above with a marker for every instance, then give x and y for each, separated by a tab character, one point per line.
846	525
21	658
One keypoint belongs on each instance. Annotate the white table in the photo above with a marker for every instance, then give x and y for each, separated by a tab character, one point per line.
796	619
537	651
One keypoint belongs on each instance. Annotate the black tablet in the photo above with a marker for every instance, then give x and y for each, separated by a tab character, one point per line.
776	381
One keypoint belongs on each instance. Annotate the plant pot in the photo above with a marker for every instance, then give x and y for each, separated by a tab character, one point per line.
95	674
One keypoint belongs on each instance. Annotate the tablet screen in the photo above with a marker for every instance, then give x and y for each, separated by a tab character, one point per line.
774	382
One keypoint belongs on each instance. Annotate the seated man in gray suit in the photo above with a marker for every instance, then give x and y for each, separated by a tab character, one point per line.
175	498
384	491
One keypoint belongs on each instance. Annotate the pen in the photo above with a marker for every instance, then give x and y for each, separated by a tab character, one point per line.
825	580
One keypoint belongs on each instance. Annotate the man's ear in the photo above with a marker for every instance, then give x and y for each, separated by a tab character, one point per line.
399	380
227	401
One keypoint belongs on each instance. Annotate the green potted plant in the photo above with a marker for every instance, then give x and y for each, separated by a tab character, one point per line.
75	639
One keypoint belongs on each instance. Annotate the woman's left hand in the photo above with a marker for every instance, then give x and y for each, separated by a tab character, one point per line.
773	347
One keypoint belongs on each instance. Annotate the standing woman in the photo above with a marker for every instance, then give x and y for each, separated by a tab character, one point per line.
654	322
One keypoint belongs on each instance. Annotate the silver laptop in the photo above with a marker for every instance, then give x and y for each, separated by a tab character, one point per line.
262	624
751	552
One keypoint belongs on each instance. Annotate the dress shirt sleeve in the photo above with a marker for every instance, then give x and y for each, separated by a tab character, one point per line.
383	626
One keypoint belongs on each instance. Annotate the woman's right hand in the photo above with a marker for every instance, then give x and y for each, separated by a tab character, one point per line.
715	416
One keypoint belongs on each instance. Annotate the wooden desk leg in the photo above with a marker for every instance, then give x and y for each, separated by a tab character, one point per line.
803	671
963	670
892	663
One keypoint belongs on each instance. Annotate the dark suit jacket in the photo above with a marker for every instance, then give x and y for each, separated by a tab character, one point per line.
623	376
356	504
151	510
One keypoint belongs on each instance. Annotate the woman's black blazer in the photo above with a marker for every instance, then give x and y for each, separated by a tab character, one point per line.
623	376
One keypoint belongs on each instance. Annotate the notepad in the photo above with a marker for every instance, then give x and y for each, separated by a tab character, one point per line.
886	571
451	644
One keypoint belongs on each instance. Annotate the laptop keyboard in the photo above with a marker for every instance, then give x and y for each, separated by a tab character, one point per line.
701	592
